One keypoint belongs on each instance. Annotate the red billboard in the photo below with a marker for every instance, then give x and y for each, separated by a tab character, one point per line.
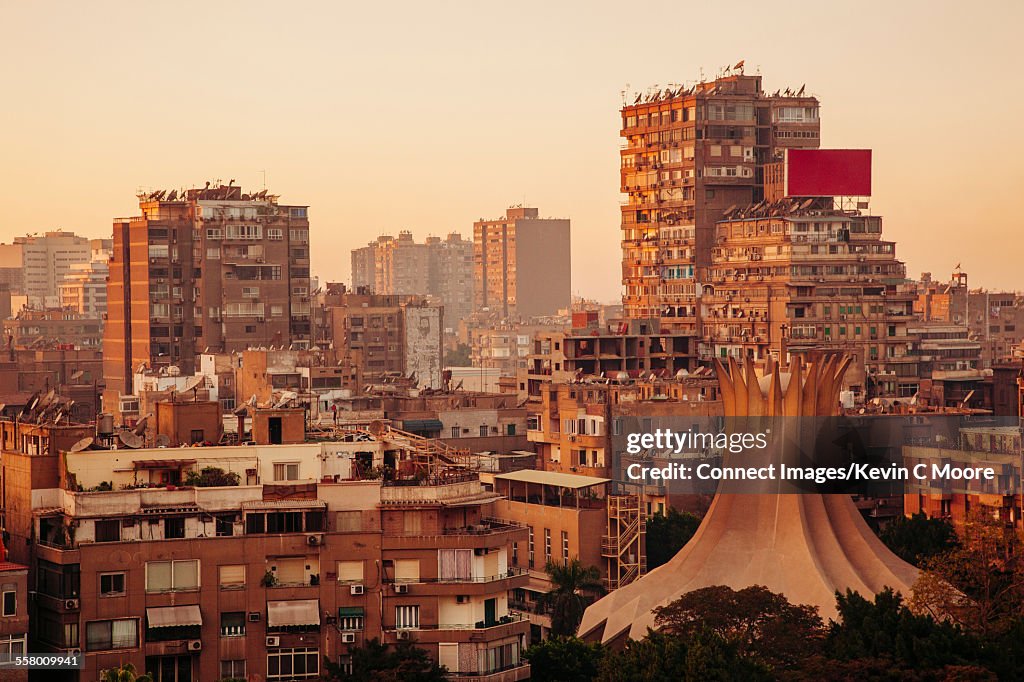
828	172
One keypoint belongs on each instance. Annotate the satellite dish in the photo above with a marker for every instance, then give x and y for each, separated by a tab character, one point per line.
77	375
194	383
130	440
173	371
377	428
163	440
83	444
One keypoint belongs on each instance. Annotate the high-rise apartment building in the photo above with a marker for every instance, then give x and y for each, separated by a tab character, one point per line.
451	276
690	154
84	289
303	556
205	270
522	264
799	275
35	265
441	268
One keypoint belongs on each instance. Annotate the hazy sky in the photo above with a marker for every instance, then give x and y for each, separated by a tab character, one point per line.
428	115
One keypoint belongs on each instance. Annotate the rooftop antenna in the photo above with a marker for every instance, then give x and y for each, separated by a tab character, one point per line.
264	178
623	93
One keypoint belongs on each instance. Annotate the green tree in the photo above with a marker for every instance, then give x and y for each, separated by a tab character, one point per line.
124	673
978	584
761	625
917	538
378	662
886	629
662	657
573	588
458	356
211	477
564	659
667	534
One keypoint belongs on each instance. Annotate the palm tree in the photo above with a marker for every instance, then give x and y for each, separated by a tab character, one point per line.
573	588
124	673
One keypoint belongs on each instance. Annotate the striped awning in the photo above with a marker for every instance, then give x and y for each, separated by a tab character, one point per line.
173	616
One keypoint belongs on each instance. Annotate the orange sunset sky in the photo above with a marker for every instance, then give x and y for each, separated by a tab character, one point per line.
428	115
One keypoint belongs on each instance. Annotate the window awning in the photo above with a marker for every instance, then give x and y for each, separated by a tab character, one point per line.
173	616
350	612
299	612
422	425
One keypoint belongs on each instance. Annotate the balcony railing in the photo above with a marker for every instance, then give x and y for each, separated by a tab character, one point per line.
511	573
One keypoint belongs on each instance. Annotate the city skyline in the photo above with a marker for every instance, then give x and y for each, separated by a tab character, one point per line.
442	113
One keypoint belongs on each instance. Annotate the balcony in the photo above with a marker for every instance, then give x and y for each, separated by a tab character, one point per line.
506	626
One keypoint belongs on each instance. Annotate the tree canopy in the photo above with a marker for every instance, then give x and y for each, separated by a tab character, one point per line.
667	534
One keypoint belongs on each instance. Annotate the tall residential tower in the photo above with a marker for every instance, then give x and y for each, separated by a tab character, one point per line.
690	154
207	270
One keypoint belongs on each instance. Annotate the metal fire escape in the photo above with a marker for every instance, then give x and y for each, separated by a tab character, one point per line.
623	545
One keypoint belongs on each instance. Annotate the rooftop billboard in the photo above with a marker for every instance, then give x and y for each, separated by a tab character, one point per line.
828	173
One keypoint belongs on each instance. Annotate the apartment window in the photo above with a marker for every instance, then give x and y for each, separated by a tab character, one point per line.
103	635
245	232
483	430
275	234
233	669
174	668
174	529
456	432
407	617
112	584
530	546
171	576
232	576
351	618
214	233
12	645
350	571
232	624
547	544
455	564
293	664
299	236
286	471
108	531
9	603
407	570
213	253
225	525
565	548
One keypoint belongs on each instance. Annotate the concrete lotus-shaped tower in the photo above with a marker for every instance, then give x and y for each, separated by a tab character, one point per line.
805	546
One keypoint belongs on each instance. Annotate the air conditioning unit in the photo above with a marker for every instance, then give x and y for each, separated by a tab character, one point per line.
314	540
401	588
356	590
348	637
403	635
71	604
273	641
195	645
462	599
254	616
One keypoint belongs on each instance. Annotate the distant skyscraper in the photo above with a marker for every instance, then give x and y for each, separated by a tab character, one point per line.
522	263
689	155
212	269
84	288
35	265
440	268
